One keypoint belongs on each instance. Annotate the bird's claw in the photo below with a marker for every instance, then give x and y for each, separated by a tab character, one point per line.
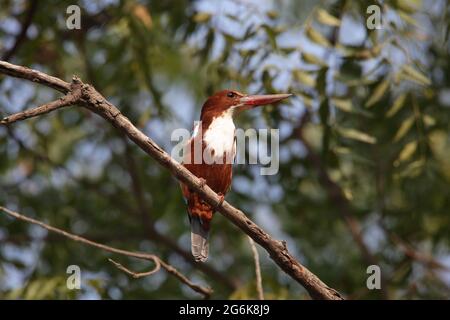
202	182
221	200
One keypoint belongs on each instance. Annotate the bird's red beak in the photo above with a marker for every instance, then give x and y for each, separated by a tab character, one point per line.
261	100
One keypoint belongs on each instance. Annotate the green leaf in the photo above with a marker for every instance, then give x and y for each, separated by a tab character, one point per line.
378	93
408	18
32	291
312	59
272	34
272	14
343	104
317	37
342	150
415	75
288	50
429	121
305	78
356	135
439	142
409	6
361	53
413	169
307	100
399	102
49	287
202	17
313	134
346	105
406	153
404	128
325	18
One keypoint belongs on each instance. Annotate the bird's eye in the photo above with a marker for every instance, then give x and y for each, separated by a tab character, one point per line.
231	94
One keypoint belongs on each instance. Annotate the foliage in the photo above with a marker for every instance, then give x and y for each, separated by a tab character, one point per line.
378	124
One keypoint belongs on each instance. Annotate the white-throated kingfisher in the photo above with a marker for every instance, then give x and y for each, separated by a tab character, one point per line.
210	154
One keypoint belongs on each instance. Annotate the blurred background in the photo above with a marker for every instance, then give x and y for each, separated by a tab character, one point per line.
364	144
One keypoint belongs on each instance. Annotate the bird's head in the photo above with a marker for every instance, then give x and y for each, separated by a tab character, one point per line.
234	102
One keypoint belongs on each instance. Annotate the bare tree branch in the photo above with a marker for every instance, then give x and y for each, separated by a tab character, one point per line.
67	100
95	102
206	292
412	253
34	76
259	287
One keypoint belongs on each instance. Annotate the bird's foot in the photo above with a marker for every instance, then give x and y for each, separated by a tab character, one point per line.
221	200
202	182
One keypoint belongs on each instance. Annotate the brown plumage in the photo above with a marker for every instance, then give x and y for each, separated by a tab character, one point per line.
210	154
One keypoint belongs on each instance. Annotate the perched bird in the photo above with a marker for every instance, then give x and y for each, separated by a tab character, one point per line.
209	155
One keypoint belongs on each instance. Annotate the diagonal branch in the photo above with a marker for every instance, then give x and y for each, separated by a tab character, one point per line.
95	102
412	253
34	76
206	292
67	100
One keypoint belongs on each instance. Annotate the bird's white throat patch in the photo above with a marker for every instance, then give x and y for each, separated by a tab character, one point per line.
219	137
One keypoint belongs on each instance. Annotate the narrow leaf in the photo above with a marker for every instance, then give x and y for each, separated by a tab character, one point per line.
317	37
356	135
397	105
305	78
406	153
307	100
312	59
378	93
325	18
415	75
408	18
409	6
343	104
272	14
202	17
429	121
404	128
413	169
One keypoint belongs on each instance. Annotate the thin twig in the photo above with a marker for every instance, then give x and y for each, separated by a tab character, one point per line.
412	253
206	292
65	101
137	274
34	76
259	287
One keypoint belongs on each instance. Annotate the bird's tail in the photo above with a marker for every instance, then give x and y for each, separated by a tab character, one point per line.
199	239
